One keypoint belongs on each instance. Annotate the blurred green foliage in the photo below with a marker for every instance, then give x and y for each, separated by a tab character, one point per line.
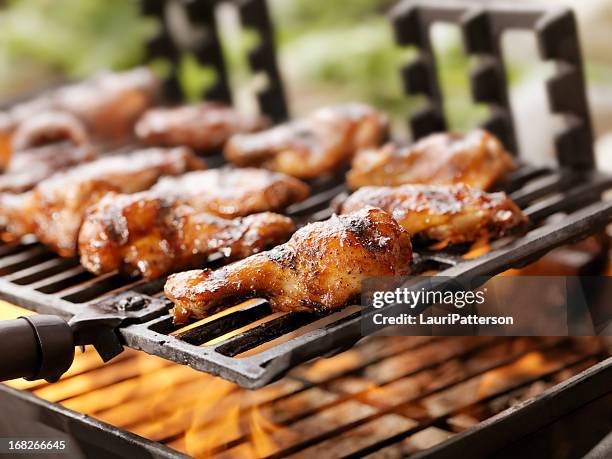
330	51
74	37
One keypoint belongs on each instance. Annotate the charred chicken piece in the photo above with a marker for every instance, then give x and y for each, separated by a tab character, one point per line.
44	145
203	126
49	128
233	192
320	268
141	235
316	145
477	159
146	233
46	128
108	104
30	167
54	209
449	213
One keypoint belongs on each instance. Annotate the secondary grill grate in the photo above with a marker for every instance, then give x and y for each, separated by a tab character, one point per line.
388	396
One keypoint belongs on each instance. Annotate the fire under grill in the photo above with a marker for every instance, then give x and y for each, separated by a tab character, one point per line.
386	397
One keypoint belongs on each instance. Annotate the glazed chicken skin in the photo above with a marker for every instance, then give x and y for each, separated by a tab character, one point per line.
316	145
231	192
49	128
30	167
477	159
108	104
205	126
153	236
446	213
136	232
321	268
44	145
55	208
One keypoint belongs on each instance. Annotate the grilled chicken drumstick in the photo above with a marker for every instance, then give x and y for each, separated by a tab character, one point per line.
203	126
48	128
151	237
54	209
477	159
313	146
320	268
449	213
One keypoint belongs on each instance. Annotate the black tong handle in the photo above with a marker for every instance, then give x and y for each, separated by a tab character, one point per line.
35	347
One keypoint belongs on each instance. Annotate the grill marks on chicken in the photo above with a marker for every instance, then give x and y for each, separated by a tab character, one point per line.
142	235
152	232
477	159
321	268
54	209
316	145
449	213
204	126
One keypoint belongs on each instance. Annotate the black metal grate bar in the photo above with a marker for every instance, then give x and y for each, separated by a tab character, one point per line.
483	27
203	42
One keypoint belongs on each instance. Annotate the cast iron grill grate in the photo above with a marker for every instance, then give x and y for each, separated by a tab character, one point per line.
227	344
251	345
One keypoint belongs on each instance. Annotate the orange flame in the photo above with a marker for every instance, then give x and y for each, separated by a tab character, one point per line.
440	245
261	429
530	364
478	248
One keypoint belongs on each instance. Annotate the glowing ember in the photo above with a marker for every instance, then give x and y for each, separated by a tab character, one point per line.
439	245
478	248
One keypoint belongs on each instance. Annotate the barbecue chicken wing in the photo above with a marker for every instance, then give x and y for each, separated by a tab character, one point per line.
203	126
108	104
54	209
150	236
316	145
476	158
320	268
449	213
